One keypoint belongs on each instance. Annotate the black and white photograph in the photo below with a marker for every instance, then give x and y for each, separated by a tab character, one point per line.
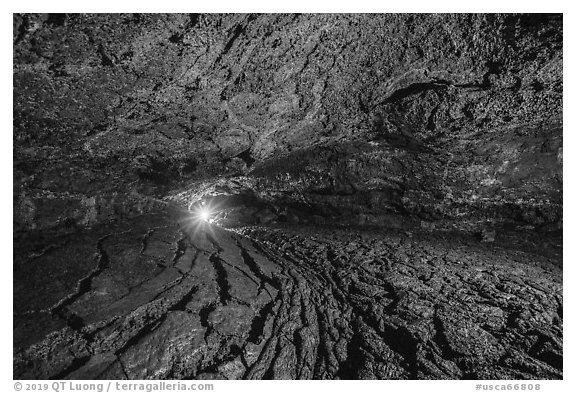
287	196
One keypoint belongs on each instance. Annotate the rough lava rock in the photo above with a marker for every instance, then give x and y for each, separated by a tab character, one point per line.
164	297
383	196
438	116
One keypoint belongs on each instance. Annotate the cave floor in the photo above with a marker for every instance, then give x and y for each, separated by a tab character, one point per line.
161	297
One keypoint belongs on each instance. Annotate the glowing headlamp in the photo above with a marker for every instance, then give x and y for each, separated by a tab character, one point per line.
204	214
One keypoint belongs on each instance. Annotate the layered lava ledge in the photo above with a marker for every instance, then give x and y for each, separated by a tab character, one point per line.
383	196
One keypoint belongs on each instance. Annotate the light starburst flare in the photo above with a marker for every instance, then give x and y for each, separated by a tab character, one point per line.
204	214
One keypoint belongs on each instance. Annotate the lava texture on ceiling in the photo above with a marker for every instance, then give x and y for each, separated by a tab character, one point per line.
454	117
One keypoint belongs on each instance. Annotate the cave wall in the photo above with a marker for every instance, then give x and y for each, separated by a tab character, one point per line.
444	116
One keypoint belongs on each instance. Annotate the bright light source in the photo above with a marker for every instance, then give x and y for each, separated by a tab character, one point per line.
205	214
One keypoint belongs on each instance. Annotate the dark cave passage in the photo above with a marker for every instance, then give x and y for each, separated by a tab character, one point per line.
332	196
